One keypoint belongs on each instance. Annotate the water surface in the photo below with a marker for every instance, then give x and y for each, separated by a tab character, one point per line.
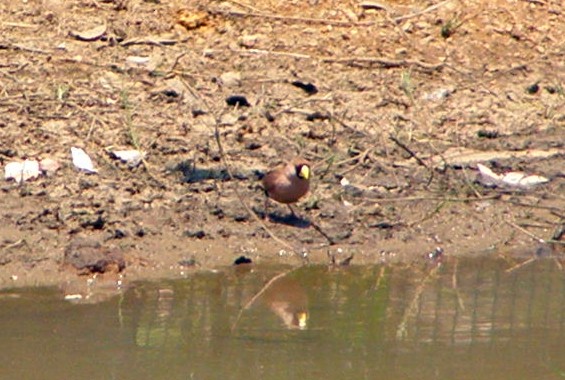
465	319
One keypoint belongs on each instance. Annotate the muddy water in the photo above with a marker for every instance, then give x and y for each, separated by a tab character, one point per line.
466	319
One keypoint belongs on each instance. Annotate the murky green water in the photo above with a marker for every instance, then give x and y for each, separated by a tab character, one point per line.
468	319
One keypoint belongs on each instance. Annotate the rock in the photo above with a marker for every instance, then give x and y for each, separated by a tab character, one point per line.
242	260
49	166
250	41
231	79
89	256
198	234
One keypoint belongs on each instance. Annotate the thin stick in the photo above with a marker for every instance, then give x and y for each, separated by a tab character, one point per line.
523	230
177	60
533	236
387	63
23	48
20	25
446	199
293	18
427	10
271	52
243	5
319	229
360	158
415	156
408	150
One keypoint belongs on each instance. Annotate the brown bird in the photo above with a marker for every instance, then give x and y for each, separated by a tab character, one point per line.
287	184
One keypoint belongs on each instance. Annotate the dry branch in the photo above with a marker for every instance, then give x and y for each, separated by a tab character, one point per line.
307	20
386	63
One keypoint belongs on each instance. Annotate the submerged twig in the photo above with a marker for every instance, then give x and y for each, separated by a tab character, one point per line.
534	236
520	265
455	287
401	329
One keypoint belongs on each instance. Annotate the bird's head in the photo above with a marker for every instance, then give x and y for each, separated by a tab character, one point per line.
303	171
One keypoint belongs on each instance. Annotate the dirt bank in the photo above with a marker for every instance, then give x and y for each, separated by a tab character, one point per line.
395	105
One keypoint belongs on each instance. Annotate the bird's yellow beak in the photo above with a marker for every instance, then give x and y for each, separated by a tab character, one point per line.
304	172
302	319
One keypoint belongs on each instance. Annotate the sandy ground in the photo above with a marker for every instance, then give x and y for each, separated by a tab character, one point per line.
395	102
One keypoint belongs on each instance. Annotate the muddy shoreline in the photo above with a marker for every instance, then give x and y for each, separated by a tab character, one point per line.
395	115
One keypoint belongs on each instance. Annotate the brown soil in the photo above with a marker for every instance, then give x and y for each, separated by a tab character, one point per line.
405	95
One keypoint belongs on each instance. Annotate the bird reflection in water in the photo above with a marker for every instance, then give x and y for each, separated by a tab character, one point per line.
287	299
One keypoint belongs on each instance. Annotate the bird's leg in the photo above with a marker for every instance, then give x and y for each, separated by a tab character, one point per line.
266	208
292	211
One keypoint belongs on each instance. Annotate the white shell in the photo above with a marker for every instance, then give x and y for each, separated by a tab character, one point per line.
130	157
523	180
488	174
514	179
82	161
137	61
90	34
22	171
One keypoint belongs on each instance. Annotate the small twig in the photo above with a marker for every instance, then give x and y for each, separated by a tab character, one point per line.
270	52
387	63
539	2
559	232
319	229
427	10
177	60
360	159
20	25
15	244
293	18
292	107
23	48
535	237
517	203
415	156
446	199
243	5
523	230
409	151
155	40
359	156
428	215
